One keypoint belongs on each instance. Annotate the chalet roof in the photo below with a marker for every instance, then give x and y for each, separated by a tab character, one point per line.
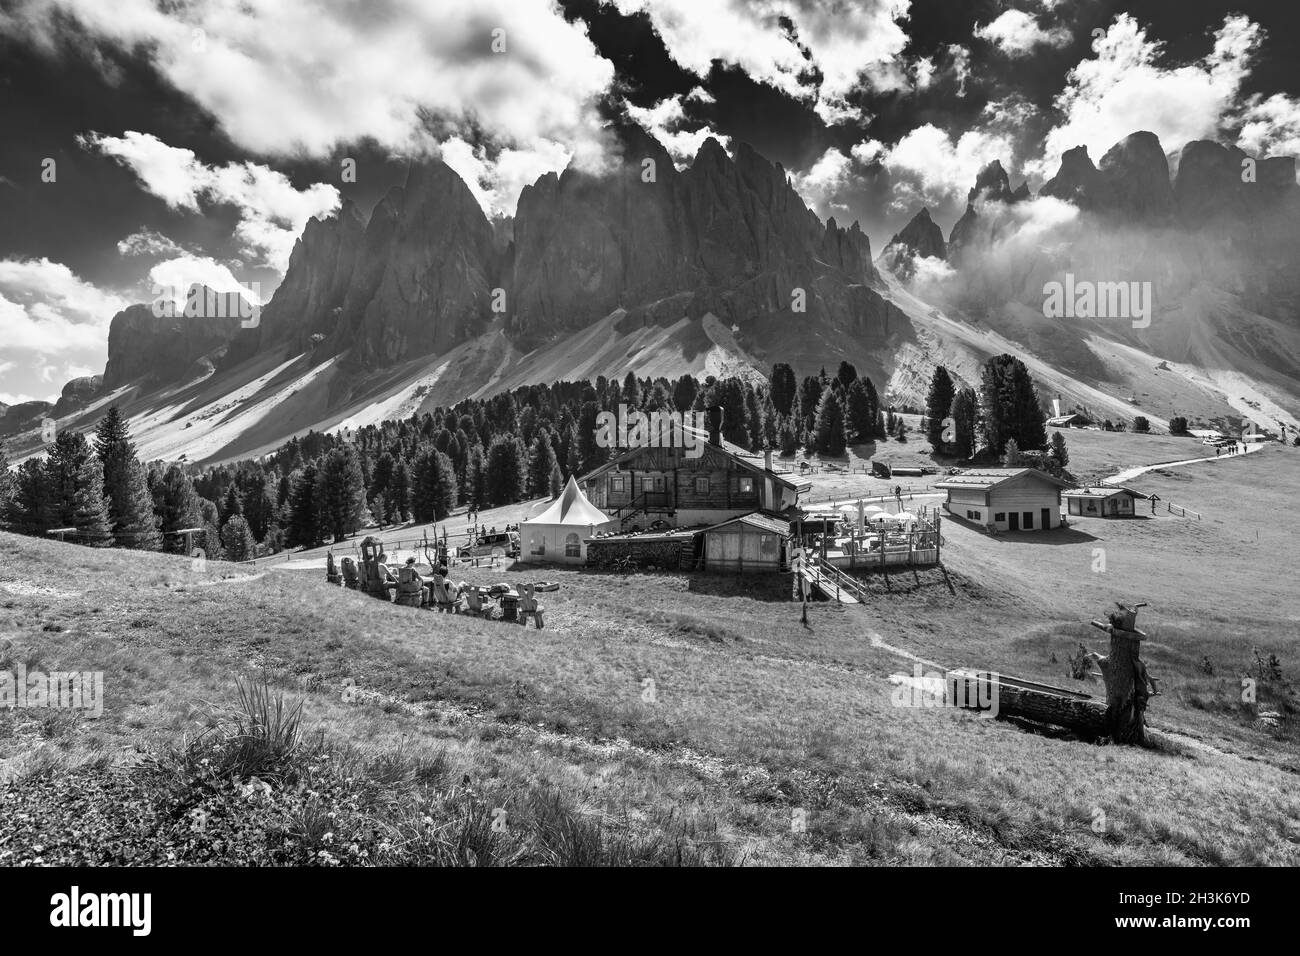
737	454
571	508
1060	420
757	519
985	479
1101	491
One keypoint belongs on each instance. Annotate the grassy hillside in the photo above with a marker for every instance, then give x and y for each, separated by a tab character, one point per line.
657	719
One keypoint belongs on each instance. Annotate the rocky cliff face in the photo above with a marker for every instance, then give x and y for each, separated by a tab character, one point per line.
991	186
920	237
727	235
147	349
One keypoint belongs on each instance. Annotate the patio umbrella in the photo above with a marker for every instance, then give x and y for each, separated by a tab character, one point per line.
904	516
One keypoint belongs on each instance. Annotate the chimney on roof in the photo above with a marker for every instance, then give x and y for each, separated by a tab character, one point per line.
1056	407
767	458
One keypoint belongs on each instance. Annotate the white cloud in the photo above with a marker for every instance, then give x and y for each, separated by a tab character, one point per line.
497	181
1017	33
666	122
1271	127
272	211
288	79
851	44
942	168
823	183
172	279
148	242
53	326
1125	88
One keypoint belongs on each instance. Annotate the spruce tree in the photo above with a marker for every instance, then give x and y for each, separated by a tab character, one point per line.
304	527
130	504
90	507
28	511
6	489
541	462
398	496
1010	405
433	492
505	471
964	413
829	431
785	388
860	411
476	477
177	505
237	541
938	403
341	493
232	505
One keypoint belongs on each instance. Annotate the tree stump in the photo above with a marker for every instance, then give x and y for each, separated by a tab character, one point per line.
1125	676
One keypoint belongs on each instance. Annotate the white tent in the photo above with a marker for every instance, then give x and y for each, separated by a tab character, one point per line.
558	535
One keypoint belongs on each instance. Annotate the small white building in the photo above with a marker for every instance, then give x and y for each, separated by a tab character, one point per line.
558	535
1101	501
1005	499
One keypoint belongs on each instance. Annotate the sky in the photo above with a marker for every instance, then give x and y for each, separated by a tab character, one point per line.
150	145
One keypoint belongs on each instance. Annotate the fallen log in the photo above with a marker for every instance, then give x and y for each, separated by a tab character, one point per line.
1004	696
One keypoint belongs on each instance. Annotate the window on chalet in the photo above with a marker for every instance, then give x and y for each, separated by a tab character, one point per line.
702	484
1000	516
616	484
746	486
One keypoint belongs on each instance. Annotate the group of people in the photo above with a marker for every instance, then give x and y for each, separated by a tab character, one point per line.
414	589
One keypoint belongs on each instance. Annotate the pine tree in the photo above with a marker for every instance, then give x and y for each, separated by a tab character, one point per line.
830	424
90	507
130	505
847	374
433	491
557	481
1011	457
1059	451
74	490
860	411
784	388
177	505
6	489
593	456
232	505
341	493
304	529
937	405
237	539
541	462
1010	405
137	526
505	471
28	510
684	392
964	413
398	498
258	504
476	477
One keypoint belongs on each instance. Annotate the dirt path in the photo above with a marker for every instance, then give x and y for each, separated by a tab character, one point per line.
1130	473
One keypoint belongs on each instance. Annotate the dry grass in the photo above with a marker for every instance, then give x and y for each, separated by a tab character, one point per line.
664	718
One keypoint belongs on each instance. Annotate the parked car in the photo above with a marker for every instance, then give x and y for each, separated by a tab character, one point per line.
502	544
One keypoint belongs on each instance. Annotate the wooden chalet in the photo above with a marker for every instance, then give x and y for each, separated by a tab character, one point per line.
644	484
1005	499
